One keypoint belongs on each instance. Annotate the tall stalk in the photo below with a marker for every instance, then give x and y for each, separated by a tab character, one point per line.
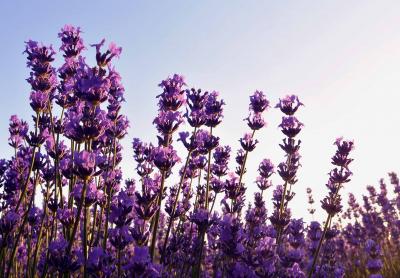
326	226
157	217
171	220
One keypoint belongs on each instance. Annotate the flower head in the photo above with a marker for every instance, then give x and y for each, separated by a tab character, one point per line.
258	102
289	104
290	126
248	143
173	95
165	158
103	59
72	43
85	164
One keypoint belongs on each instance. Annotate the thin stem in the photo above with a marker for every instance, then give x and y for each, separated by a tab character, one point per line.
282	203
85	239
21	229
244	162
78	217
197	270
315	257
93	227
21	198
171	219
157	217
109	196
213	203
119	262
208	173
39	240
327	223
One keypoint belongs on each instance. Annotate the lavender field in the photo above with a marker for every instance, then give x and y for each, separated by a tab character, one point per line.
66	210
199	139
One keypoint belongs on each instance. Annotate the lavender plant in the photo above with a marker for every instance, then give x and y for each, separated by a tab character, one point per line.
66	211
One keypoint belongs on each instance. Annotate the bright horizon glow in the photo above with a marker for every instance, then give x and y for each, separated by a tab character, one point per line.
341	58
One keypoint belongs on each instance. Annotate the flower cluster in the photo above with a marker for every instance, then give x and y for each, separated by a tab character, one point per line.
65	209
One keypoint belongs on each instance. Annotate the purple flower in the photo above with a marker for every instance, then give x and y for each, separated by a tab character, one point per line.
290	146
332	204
142	151
288	173
39	101
221	157
72	43
214	109
38	53
167	122
145	205
290	126
296	272
231	237
59	260
34	215
100	262
255	121
216	185
91	85
54	151
196	99
66	216
190	145
266	168
141	265
36	140
120	127
339	176
18	130
341	157
103	59
374	263
120	237
42	77
173	95
221	154
165	158
121	209
263	183
248	143
289	104
92	195
258	102
8	222
207	140
85	164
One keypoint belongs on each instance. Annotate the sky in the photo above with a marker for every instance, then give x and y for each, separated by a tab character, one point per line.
341	58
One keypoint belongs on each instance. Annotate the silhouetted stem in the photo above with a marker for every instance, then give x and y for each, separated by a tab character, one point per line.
157	217
171	220
327	222
78	217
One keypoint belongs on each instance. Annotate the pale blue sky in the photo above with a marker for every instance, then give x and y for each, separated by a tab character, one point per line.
341	57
